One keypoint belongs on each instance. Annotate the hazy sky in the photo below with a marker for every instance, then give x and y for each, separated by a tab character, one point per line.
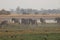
34	4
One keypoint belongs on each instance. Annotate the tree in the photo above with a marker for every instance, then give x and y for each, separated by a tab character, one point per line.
12	10
24	13
18	9
36	13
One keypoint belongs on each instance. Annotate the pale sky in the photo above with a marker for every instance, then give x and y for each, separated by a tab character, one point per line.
34	4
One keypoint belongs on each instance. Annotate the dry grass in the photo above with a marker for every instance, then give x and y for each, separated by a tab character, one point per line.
30	15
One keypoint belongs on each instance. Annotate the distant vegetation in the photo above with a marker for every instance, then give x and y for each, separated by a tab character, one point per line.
35	11
30	11
4	12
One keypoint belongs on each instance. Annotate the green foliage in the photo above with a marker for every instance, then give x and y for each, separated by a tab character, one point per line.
51	36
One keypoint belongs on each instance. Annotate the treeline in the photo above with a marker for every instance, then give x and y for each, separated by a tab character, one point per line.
40	11
35	11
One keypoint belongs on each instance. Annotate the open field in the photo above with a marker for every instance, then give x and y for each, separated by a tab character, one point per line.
30	32
49	36
55	28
